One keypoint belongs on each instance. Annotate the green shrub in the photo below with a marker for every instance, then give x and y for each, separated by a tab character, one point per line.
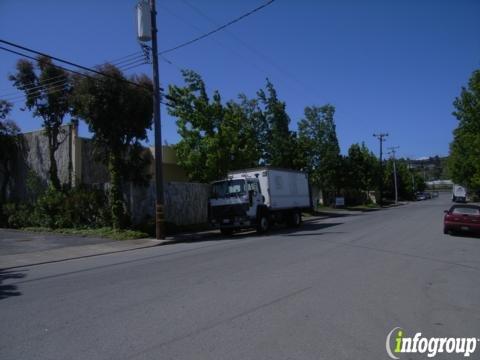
18	215
87	207
50	209
75	208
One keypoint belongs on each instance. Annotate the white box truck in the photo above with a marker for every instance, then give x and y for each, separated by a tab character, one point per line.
459	193
257	198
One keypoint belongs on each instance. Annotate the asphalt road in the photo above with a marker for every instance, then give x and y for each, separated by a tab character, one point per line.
332	290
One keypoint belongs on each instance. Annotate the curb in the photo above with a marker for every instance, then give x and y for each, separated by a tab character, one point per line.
74	257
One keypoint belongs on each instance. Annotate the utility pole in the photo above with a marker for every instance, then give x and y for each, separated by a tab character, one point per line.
393	150
147	31
159	216
381	137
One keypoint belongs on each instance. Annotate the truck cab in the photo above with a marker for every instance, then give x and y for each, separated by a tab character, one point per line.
234	203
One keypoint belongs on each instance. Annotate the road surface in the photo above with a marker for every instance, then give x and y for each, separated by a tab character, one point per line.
331	290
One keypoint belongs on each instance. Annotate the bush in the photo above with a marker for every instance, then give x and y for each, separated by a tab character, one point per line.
17	215
50	209
76	208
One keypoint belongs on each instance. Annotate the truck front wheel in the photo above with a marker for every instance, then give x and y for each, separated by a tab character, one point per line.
263	224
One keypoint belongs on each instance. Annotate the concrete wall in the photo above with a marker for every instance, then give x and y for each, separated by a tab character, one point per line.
185	203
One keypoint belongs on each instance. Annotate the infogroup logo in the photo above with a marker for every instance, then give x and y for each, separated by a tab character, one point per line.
401	344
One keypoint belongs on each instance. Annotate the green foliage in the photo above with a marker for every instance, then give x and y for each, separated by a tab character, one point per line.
47	100
215	138
278	145
408	182
360	174
362	168
118	114
76	208
319	149
16	215
11	148
464	160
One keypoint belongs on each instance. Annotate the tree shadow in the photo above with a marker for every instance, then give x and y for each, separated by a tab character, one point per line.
305	229
7	291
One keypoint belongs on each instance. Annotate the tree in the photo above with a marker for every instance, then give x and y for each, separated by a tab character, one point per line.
464	160
319	147
408	182
215	138
11	145
47	90
118	114
361	168
277	143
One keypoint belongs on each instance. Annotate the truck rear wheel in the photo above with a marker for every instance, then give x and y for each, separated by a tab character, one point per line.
226	231
263	224
296	218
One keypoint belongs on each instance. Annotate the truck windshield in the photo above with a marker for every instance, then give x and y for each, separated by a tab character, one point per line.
228	188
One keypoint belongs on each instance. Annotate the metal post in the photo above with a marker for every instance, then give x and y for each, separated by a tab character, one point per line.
381	137
159	216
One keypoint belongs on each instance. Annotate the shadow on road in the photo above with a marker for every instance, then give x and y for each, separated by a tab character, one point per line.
464	235
9	290
304	230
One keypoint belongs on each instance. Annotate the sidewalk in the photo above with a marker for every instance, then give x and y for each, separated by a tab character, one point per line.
37	257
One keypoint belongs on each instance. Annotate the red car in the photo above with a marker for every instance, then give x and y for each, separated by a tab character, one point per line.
462	218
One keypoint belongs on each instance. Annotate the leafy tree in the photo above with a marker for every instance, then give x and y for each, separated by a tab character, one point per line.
216	138
319	148
118	114
464	160
408	181
47	90
277	143
11	145
361	168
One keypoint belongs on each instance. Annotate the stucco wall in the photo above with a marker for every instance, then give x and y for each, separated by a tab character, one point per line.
185	203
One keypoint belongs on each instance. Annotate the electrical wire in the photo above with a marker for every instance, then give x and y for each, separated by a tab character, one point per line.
284	72
201	37
66	62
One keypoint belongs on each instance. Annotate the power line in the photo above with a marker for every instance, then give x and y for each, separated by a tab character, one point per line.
21	96
66	62
49	81
287	76
201	37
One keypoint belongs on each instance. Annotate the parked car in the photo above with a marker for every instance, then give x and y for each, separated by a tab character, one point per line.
420	196
462	218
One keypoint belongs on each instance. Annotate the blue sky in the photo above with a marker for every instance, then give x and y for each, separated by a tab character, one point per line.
391	66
